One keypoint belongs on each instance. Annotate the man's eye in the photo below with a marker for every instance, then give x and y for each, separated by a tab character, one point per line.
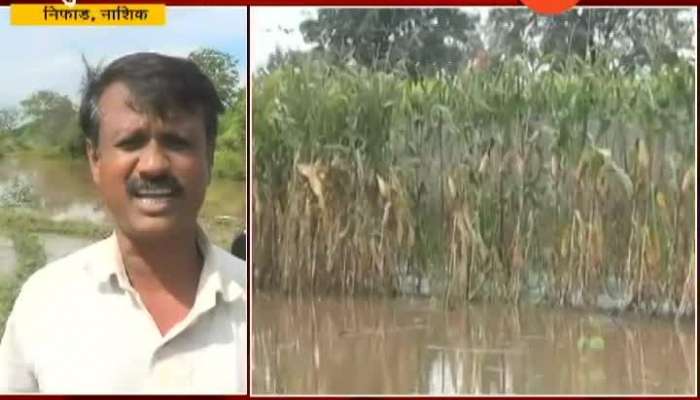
131	143
176	143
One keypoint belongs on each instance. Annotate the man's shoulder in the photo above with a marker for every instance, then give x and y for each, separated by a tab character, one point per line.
55	274
233	267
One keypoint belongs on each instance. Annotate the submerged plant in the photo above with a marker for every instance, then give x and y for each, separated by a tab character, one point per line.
18	192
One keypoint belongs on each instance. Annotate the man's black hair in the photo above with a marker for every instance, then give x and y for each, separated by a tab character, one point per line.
158	84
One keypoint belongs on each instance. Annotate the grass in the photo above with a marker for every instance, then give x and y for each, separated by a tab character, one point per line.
219	230
30	256
22	220
229	164
22	226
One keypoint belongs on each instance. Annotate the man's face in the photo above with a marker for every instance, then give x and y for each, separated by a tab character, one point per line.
152	174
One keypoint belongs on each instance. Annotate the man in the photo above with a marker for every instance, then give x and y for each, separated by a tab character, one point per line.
155	307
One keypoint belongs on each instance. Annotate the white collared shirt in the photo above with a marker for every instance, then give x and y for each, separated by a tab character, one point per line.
78	326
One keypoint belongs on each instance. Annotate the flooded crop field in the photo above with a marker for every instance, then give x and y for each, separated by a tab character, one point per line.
50	208
64	189
405	346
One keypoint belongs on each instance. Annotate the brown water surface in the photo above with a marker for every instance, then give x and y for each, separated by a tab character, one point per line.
404	346
66	190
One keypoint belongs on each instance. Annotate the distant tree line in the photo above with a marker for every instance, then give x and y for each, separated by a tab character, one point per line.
46	121
428	41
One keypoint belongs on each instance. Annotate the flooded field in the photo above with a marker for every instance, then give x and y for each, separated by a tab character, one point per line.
411	347
65	189
55	247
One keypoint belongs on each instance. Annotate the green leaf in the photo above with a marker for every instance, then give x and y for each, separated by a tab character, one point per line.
596	343
622	177
581	343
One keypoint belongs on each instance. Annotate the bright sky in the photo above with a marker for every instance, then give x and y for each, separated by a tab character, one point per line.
278	27
36	58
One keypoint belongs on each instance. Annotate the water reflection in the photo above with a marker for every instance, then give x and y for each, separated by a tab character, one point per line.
66	190
408	347
55	247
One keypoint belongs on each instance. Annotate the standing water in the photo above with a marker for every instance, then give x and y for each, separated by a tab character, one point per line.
65	189
403	346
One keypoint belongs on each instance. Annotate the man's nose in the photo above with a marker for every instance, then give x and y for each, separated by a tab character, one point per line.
154	161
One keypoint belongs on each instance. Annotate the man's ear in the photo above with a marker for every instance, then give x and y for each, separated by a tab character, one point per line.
93	156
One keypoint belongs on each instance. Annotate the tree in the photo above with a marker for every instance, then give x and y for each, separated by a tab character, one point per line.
280	58
52	119
422	40
633	38
230	145
9	118
43	104
221	68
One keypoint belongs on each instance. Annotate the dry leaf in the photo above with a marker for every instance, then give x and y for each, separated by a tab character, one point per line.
642	155
688	179
310	172
383	187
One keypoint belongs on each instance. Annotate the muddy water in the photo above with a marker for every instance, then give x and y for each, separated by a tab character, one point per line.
57	246
66	189
410	347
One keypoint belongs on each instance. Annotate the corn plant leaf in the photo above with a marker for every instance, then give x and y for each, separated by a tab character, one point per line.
310	172
622	177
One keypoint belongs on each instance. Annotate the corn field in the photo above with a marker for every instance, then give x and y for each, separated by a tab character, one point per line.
572	187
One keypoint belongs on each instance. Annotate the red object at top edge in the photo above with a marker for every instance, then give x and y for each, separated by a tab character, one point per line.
396	3
550	6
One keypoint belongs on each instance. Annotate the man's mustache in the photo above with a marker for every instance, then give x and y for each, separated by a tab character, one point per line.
165	182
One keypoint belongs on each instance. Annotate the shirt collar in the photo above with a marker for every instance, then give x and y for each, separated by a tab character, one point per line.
106	265
217	276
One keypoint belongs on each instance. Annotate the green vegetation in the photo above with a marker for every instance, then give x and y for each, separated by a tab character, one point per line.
420	40
21	225
46	123
424	42
15	220
229	158
19	213
23	220
17	192
221	69
31	256
565	182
